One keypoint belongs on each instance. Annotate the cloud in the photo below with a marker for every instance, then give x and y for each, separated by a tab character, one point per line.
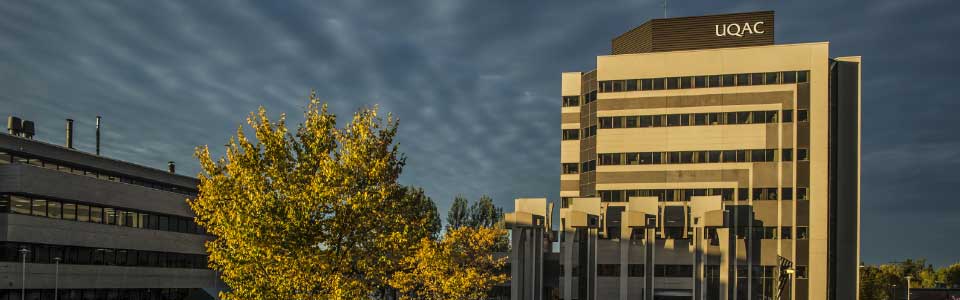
474	83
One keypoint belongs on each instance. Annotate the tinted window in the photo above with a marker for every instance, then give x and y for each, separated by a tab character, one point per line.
631	85
743	79
700	81
54	210
802	76
659	83
630	122
756	78
728	80
20	204
787	115
686	82
790	77
773	78
646	84
714	81
673	83
39	207
69	211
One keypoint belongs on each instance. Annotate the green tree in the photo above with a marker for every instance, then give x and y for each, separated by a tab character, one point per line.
483	213
311	214
457	216
950	275
461	266
424	209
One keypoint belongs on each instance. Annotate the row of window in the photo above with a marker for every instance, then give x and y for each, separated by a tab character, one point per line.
92	213
703	119
695	157
726	194
675	270
704	81
76	255
96	294
7	158
764	233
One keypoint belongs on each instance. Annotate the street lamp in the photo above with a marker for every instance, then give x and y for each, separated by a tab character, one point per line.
23	273
56	278
908	277
894	293
790	272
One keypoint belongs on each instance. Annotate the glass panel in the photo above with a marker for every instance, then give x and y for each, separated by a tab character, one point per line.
83	213
96	214
756	78
69	211
743	79
728	80
673	83
110	216
4	203
20	204
646	84
773	78
631	85
700	81
39	207
53	209
659	83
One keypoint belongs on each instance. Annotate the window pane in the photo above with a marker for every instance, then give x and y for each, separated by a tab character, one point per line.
686	82
20	204
700	81
729	156
673	120
646	121
673	83
744	117
631	85
69	211
790	77
714	118
787	115
4	203
728	80
96	214
802	154
802	115
685	120
617	122
731	118
772	116
802	76
40	207
646	84
773	78
700	119
630	122
53	209
759	117
756	78
659	83
618	85
110	216
743	79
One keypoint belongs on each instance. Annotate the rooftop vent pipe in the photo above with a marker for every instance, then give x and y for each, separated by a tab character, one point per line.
28	129
13	125
98	135
172	167
70	133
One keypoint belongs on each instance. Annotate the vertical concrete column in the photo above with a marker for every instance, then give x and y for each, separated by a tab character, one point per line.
624	263
649	260
698	263
567	259
724	236
517	262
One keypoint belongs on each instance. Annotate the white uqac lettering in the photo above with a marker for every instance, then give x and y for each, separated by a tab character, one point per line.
756	27
718	31
746	29
736	32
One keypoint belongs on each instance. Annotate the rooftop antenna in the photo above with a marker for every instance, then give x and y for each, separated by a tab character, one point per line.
98	135
664	9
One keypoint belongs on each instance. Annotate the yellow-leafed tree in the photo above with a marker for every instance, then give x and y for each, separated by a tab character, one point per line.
461	266
311	214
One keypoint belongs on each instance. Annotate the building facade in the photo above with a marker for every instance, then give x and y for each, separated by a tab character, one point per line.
92	227
702	161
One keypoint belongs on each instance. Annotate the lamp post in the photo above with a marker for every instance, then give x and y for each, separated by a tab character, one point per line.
56	278
908	277
790	273
23	273
894	293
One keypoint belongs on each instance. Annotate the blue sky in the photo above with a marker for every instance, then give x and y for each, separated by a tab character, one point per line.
476	85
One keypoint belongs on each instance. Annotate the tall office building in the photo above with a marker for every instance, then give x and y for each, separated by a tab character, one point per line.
91	227
700	160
